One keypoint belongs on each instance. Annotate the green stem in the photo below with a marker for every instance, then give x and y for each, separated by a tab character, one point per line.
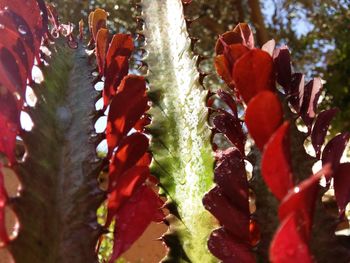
60	194
180	136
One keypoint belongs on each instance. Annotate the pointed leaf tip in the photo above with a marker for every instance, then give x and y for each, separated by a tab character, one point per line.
334	149
320	128
275	163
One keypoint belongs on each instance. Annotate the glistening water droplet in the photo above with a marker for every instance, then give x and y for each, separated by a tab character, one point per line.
22	30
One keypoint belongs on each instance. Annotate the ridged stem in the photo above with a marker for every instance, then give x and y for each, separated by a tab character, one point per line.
180	136
60	194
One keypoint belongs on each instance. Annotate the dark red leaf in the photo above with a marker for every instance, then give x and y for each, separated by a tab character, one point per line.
231	127
276	162
334	149
253	73
288	244
342	186
133	218
297	91
115	72
230	176
9	125
246	34
312	91
227	38
234	220
101	49
319	130
301	201
11	76
227	98
228	249
44	15
263	116
130	150
281	59
127	107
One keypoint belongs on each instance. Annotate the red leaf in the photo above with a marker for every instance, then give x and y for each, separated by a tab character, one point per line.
227	98
126	185
230	176
229	250
142	123
121	45
312	92
275	163
301	201
281	59
234	220
117	65
223	68
224	63
18	38
127	107
263	116
227	38
133	218
231	127
12	78
288	245
297	91
101	48
334	149
342	186
253	73
30	12
246	34
4	239
9	125
319	130
115	72
98	21
129	152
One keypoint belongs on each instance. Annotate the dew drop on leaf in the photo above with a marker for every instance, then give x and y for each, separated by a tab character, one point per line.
22	30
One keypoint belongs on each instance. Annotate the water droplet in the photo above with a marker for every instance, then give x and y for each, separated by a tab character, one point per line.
183	181
2	26
22	30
